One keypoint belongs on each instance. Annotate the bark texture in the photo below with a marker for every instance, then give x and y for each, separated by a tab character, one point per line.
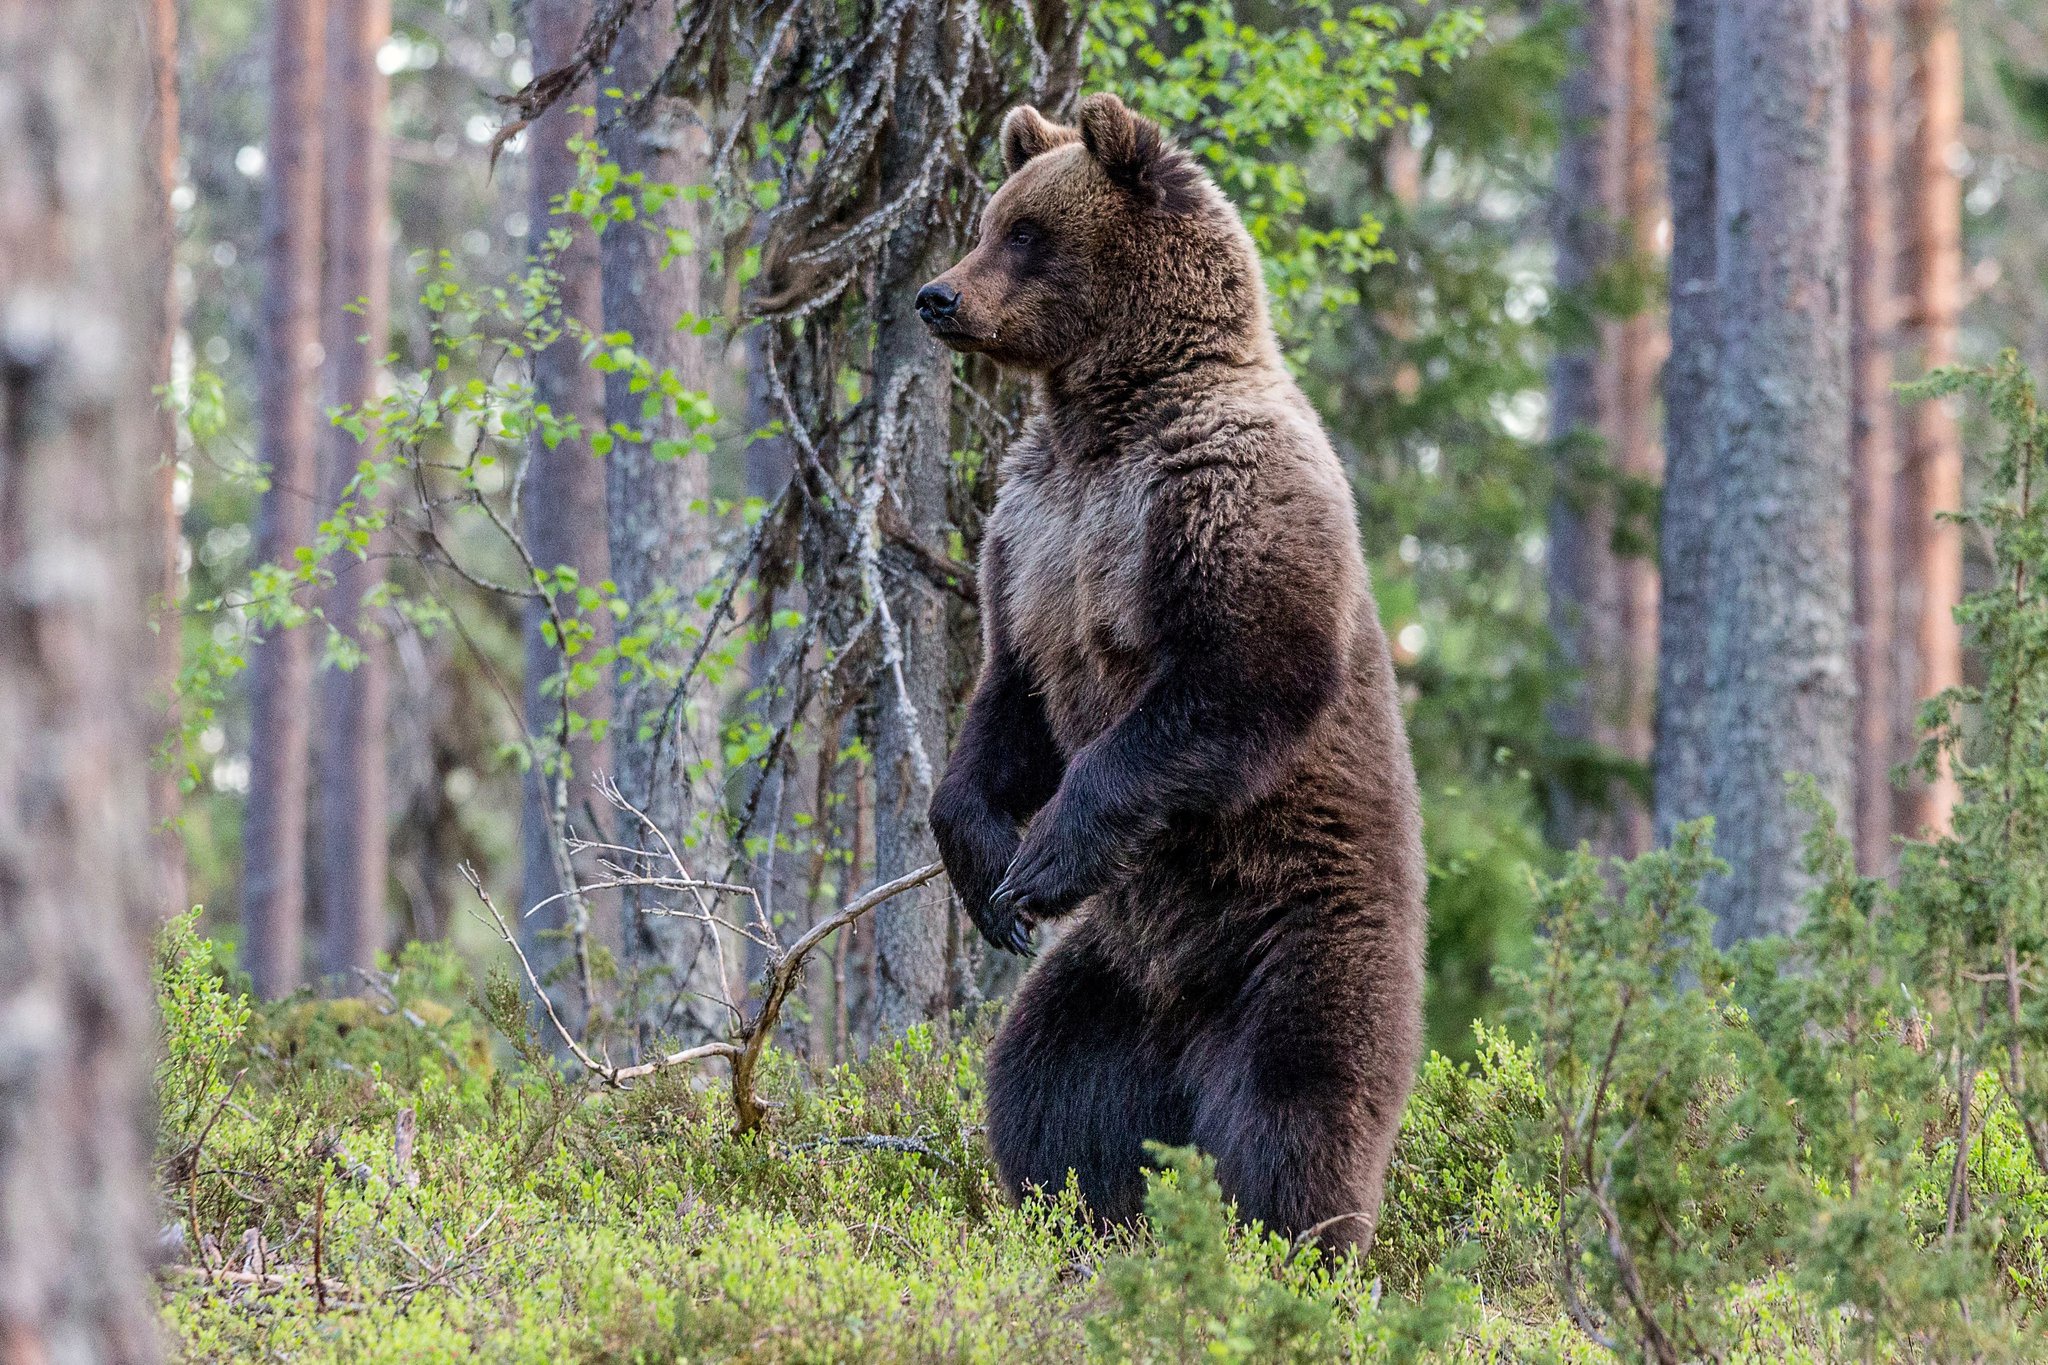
562	515
1779	672
1872	430
1603	602
81	311
659	535
1686	527
280	668
166	800
350	839
1930	552
914	935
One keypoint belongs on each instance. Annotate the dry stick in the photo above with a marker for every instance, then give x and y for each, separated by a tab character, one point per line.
319	1234
745	1054
1959	1175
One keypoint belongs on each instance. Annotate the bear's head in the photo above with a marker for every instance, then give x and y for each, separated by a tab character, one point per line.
1105	243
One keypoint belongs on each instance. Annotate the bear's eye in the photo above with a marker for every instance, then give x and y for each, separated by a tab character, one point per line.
1025	235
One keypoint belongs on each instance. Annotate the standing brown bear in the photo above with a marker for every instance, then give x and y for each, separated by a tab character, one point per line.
1187	700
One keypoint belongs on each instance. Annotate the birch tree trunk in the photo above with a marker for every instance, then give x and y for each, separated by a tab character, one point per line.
1930	552
1603	603
351	853
562	515
1686	526
660	537
914	935
81	309
1779	670
1873	452
280	668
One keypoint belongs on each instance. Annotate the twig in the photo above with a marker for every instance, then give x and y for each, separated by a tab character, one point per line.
882	1142
751	1038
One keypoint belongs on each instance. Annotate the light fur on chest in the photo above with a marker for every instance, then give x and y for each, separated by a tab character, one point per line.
1073	590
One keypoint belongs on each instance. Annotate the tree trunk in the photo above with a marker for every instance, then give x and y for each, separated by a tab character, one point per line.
280	668
350	840
1780	676
165	797
660	544
1685	538
913	390
1873	454
1930	552
1603	602
563	518
81	308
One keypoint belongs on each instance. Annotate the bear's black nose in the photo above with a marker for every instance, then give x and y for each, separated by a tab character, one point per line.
936	301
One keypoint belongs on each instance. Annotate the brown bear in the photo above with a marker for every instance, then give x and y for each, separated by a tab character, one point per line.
1186	706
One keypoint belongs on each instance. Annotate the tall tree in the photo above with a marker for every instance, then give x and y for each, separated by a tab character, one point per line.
1604	599
1779	671
350	836
913	386
81	312
1686	526
1930	551
563	515
280	668
165	799
659	526
1873	452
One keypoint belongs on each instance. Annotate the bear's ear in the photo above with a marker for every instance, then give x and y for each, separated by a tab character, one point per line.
1133	151
1026	133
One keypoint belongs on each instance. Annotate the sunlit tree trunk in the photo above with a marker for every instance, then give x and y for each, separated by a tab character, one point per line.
351	852
280	668
165	800
913	391
563	517
1930	551
82	289
1604	599
1686	529
660	541
1779	668
1873	453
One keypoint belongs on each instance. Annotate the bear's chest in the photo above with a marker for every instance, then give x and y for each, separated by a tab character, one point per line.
1074	597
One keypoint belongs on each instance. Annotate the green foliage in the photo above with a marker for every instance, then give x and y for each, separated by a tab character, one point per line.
1250	95
1456	1185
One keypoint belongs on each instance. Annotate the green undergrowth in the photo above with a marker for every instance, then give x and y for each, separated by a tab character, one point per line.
422	1192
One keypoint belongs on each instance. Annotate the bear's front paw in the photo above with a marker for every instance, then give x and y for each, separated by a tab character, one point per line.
1038	886
1002	924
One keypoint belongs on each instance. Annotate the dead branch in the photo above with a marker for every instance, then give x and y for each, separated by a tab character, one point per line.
750	1038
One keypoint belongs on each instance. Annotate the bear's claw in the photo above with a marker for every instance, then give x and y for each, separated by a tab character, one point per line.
1014	931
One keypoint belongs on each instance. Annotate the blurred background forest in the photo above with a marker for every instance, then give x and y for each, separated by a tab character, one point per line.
1471	263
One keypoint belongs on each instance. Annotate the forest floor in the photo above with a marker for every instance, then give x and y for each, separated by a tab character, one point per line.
385	1179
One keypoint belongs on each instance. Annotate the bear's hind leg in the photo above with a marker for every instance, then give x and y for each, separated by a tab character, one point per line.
1076	1082
1300	1119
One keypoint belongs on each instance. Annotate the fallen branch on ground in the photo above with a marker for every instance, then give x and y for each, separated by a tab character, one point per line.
750	1038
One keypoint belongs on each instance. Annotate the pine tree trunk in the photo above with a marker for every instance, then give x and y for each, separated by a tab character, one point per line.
166	800
82	294
914	935
563	516
660	544
1930	551
1604	604
351	853
280	668
1779	671
1873	453
1686	528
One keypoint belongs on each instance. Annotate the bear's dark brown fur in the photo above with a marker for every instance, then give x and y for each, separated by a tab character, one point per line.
1188	700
